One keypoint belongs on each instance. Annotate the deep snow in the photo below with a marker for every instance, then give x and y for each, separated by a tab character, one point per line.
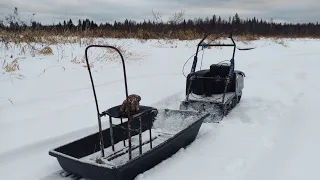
271	134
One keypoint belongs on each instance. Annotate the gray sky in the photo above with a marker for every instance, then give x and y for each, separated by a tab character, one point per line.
53	11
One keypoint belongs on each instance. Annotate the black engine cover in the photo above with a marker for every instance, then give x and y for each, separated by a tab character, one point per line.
221	70
202	86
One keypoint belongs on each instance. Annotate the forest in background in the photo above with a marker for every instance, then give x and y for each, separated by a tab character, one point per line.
177	27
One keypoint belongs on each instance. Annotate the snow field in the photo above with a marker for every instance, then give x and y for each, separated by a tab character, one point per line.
271	134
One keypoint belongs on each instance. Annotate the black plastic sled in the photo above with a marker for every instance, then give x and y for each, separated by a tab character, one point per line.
132	144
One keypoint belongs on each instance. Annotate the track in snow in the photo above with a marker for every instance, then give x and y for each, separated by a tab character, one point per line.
272	134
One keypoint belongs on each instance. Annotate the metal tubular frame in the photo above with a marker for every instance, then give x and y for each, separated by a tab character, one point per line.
99	115
231	66
231	71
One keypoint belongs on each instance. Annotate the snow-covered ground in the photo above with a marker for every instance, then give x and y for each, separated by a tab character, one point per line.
272	134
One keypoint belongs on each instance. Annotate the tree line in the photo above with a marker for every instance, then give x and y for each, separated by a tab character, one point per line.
248	26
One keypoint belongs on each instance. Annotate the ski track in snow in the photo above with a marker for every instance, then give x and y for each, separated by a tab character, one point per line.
271	134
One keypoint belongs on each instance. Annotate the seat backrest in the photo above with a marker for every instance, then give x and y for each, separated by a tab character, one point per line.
221	70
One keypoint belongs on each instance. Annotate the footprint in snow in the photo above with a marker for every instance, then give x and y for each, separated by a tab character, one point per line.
301	76
235	165
297	98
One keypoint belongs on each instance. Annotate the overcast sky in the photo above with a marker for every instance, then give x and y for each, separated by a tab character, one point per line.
53	11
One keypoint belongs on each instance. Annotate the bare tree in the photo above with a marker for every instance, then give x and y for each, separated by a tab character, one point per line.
177	17
157	17
13	20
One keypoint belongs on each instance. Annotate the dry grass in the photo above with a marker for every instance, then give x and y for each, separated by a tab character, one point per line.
102	55
53	37
44	71
11	67
247	38
28	39
75	61
281	42
8	100
46	51
39	42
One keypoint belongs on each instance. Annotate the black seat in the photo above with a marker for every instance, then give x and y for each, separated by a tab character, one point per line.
221	70
208	81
